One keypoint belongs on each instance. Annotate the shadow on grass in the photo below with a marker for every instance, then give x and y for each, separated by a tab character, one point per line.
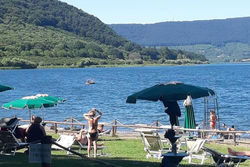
116	139
21	160
121	162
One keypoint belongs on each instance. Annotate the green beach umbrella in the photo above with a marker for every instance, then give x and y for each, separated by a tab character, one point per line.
4	88
50	98
189	119
29	102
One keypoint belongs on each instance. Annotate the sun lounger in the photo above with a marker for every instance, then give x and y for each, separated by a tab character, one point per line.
64	140
9	143
153	145
85	147
107	131
9	124
220	158
194	150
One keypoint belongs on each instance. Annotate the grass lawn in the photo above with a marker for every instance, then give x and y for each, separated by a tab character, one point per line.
119	152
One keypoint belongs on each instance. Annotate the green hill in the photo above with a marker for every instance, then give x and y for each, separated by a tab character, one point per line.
230	52
52	33
215	32
221	40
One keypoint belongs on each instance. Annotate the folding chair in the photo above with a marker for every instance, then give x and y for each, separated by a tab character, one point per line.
194	150
9	143
220	158
153	145
64	140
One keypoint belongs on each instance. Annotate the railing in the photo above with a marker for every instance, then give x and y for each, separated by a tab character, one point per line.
115	124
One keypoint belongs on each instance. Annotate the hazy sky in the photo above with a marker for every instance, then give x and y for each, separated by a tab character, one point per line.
152	11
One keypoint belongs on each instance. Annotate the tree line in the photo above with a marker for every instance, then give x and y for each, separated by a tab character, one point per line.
51	33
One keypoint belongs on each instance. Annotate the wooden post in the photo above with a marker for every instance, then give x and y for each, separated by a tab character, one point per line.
72	121
234	137
55	127
114	128
156	123
202	133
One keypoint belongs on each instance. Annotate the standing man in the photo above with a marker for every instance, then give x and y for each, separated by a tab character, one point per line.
92	131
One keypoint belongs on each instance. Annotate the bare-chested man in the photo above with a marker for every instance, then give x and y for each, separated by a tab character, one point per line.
238	153
92	131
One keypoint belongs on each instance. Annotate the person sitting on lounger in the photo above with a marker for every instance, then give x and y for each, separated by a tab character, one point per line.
238	153
92	131
35	132
81	137
100	128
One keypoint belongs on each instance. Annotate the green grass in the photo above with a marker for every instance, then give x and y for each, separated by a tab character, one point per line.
119	152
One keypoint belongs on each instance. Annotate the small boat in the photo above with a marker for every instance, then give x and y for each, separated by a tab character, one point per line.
90	82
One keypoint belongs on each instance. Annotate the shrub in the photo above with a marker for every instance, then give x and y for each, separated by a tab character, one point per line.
17	62
86	62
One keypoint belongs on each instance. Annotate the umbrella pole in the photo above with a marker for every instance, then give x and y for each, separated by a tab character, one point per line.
30	115
43	114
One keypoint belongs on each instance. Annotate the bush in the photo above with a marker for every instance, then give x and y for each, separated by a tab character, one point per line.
17	62
86	62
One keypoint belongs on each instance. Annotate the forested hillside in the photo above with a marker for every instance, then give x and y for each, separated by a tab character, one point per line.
215	32
225	40
59	15
52	33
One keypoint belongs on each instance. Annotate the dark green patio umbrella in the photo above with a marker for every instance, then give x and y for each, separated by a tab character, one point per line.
170	92
4	88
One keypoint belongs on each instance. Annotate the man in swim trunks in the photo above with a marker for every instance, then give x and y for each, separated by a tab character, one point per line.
92	131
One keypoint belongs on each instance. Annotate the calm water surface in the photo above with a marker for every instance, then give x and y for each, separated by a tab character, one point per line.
113	85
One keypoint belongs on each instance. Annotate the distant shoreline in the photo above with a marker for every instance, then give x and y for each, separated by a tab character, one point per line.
100	66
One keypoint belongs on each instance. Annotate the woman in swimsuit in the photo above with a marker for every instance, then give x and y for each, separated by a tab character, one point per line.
92	132
213	119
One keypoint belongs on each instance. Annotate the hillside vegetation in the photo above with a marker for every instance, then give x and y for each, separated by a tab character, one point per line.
215	32
230	52
52	33
216	39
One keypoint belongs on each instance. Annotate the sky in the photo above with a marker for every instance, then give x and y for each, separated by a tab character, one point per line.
154	11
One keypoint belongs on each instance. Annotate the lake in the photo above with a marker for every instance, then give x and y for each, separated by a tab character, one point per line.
230	82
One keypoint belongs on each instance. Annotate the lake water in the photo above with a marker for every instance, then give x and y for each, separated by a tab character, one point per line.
230	81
